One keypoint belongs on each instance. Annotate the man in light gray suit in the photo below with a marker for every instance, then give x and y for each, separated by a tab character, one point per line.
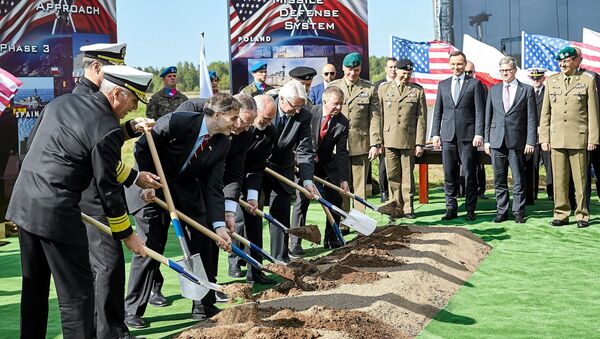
458	127
510	134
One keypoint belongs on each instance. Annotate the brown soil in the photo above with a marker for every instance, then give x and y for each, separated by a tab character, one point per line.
238	290
308	232
282	271
249	321
392	209
386	285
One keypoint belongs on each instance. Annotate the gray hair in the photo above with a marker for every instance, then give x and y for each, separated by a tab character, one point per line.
508	60
88	62
333	91
293	89
107	86
220	102
247	102
263	101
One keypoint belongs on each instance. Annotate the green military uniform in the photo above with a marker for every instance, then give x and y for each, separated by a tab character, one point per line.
161	103
569	122
361	107
253	91
404	111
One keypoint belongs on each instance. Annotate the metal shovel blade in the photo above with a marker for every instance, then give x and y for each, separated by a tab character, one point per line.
189	289
360	222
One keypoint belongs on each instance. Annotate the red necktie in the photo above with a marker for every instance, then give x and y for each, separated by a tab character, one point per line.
201	147
324	126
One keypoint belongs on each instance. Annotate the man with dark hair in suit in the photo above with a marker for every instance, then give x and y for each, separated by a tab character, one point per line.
330	139
510	134
458	127
293	147
192	148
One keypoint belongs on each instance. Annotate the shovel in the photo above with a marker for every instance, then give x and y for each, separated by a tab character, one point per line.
334	225
350	194
310	233
355	219
251	245
190	262
200	285
277	269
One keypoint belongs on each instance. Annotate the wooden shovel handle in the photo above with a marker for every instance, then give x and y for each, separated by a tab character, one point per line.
332	186
287	181
246	205
214	236
161	173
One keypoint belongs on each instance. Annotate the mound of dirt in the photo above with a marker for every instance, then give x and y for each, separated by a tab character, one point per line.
238	290
308	232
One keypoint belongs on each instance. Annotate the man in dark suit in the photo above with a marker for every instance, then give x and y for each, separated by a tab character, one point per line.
328	73
192	148
458	126
293	147
259	150
330	139
510	134
70	148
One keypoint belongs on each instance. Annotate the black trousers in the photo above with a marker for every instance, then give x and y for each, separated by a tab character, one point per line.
502	158
108	267
455	153
383	180
279	207
302	203
240	229
69	265
253	227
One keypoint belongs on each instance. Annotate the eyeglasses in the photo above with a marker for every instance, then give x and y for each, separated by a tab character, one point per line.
328	73
296	108
469	72
506	70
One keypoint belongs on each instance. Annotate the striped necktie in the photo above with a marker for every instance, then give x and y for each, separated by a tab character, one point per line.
200	148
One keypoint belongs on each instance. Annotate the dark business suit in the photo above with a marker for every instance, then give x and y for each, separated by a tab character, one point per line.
331	164
532	162
316	94
259	150
292	147
508	132
456	124
197	192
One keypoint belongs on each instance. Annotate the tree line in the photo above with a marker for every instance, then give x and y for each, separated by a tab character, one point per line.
188	79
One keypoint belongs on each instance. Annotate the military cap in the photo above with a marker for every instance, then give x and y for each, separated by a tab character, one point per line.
352	60
259	66
405	64
536	72
128	77
168	70
566	52
303	73
113	53
213	75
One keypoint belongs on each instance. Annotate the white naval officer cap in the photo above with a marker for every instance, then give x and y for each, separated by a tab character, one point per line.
113	53
133	79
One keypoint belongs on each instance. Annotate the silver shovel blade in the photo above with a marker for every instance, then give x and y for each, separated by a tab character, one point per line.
189	289
360	222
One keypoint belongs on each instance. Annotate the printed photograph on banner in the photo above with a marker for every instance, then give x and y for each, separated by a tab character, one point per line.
287	51
83	39
318	50
29	102
278	69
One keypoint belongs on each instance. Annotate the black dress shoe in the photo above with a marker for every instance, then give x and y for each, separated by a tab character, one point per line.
221	297
345	230
297	251
558	223
203	312
234	271
157	299
520	218
409	216
450	214
470	216
582	224
331	244
132	320
482	196
384	197
500	217
260	278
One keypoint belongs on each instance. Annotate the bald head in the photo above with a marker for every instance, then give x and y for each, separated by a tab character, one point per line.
265	109
328	73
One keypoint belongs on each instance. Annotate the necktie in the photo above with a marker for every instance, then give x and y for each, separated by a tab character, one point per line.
567	81
506	98
200	148
402	88
324	126
537	92
456	91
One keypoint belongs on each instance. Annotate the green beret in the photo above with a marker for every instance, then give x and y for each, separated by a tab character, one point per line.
566	52
352	60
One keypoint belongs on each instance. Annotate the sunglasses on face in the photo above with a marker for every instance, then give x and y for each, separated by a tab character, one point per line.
328	73
468	72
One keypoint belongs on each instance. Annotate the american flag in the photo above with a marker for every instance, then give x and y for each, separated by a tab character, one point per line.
9	85
253	18
17	17
541	51
430	62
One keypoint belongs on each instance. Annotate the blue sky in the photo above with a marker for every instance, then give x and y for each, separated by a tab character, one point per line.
160	33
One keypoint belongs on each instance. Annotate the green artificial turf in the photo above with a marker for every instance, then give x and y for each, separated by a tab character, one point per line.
537	282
